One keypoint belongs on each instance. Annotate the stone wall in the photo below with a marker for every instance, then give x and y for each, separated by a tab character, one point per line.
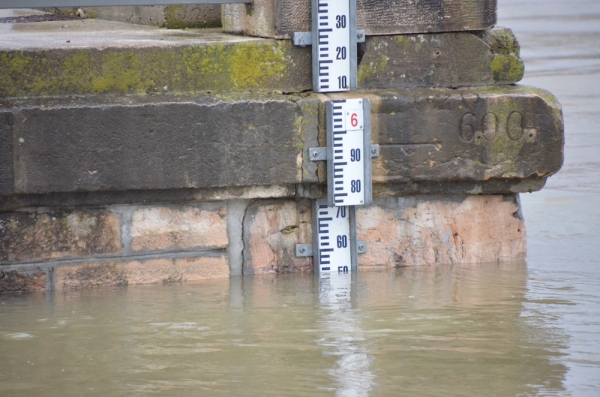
135	244
172	17
132	154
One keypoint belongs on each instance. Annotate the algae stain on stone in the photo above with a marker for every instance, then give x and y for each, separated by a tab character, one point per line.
502	149
252	65
507	68
174	16
78	74
120	72
373	68
239	66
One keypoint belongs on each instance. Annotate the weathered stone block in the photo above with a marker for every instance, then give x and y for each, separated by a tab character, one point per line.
175	228
106	57
440	60
13	281
197	269
159	143
7	175
93	274
418	231
281	18
474	134
271	231
173	17
133	197
111	59
58	234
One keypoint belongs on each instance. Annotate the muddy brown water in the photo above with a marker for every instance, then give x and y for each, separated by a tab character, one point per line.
497	330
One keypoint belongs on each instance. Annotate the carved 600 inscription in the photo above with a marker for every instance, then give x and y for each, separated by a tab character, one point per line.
487	128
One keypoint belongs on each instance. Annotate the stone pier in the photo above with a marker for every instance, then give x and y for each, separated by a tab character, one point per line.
133	154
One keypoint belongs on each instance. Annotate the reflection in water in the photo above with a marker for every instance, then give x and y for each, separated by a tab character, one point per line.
414	331
343	337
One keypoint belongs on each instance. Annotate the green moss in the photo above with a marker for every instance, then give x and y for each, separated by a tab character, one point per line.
501	41
244	65
370	69
181	17
174	17
259	66
502	149
120	72
507	68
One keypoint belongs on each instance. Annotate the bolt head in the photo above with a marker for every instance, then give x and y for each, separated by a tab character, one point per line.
302	250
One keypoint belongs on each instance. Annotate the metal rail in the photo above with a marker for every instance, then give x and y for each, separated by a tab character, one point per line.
105	3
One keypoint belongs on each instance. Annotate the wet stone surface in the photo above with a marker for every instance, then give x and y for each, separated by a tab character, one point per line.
50	235
149	271
19	282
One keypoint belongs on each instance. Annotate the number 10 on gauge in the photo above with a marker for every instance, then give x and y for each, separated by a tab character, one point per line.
349	179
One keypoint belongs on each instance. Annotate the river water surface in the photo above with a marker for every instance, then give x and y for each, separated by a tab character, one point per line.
520	329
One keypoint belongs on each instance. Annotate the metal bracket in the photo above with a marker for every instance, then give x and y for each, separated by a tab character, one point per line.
374	151
306	250
320	153
304	39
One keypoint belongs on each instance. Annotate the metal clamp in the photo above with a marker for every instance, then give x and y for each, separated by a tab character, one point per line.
320	153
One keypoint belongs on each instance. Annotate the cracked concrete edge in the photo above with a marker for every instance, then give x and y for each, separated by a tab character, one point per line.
236	213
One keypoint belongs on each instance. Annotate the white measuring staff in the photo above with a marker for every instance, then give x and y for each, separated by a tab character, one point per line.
334	40
349	170
335	247
332	45
333	238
